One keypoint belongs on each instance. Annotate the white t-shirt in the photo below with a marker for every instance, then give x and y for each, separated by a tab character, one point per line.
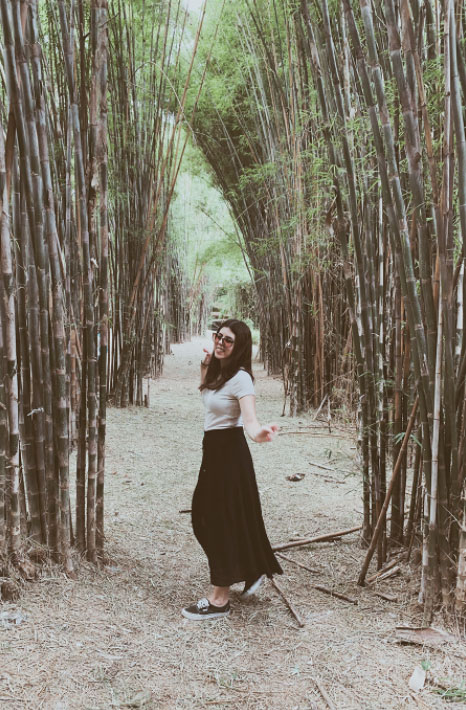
222	405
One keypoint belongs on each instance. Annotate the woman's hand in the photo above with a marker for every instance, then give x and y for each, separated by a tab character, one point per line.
266	433
205	364
207	358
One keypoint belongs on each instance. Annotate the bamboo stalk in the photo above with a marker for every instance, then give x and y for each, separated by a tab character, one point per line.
3	452
101	150
10	376
4	499
433	501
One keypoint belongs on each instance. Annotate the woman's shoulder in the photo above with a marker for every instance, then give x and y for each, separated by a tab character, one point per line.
241	384
242	376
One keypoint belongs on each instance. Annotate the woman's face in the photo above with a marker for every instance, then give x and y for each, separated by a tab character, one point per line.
224	342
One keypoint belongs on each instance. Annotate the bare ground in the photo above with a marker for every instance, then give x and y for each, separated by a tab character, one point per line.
115	637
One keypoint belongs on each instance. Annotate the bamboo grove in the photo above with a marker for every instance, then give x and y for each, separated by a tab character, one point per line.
337	137
91	294
341	149
147	277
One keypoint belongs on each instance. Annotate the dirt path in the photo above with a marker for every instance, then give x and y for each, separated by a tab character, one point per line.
116	638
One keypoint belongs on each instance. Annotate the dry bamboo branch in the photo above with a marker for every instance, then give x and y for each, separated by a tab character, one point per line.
319	587
373	577
324	694
320	465
320	407
332	593
320	538
295	562
390	573
288	603
387	597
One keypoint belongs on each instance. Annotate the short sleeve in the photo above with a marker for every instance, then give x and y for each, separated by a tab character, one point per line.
242	384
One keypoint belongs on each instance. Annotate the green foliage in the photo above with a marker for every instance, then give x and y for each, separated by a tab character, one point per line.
203	229
398	438
453	694
256	176
433	79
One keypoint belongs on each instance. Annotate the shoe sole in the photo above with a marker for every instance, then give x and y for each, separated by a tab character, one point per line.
253	588
204	617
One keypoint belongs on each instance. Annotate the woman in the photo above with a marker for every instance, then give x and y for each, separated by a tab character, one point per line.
226	511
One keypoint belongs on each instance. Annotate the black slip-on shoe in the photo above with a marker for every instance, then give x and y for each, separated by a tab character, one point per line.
203	609
251	588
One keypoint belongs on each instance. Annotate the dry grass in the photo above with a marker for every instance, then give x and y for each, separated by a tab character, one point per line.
115	637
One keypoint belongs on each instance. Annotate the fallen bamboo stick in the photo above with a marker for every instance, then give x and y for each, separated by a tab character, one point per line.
332	593
187	510
320	407
288	604
329	480
324	694
390	573
219	702
319	587
321	465
298	564
373	577
387	597
319	538
388	495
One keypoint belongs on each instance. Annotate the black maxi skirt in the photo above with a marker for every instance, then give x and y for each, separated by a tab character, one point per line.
226	511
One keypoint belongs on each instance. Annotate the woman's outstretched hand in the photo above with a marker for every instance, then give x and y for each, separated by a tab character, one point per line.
268	432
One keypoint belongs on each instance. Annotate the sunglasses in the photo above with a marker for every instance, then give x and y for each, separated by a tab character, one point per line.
226	339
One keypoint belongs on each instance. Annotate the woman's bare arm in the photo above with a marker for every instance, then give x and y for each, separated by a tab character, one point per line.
254	430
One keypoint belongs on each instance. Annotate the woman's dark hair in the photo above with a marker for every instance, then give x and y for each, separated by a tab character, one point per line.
241	357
